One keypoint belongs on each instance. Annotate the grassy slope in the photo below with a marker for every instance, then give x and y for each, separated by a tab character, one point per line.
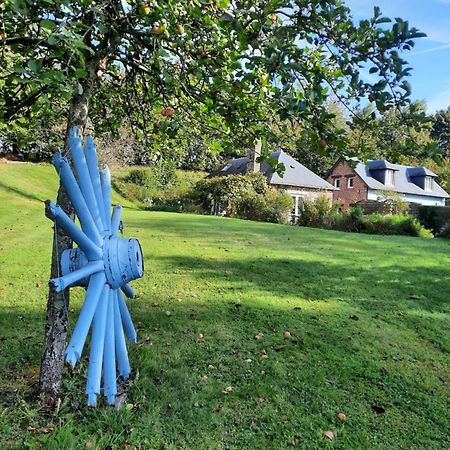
369	317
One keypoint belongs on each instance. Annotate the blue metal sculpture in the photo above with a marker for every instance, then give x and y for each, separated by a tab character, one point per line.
103	262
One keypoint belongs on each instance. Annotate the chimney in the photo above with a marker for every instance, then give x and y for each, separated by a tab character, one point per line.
253	154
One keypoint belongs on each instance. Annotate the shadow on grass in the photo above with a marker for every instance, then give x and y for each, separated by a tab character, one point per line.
397	287
328	364
20	192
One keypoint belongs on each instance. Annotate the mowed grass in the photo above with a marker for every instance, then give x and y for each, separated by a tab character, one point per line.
369	318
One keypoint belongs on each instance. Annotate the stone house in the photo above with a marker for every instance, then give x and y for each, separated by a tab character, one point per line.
297	181
375	180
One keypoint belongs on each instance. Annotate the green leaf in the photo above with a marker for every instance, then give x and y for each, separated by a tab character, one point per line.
216	148
81	73
35	65
48	24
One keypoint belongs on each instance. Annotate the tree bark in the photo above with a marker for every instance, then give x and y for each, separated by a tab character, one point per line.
57	321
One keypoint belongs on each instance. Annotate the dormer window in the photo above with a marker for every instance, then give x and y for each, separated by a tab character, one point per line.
389	177
428	183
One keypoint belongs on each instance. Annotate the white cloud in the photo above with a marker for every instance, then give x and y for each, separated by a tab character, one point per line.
429	50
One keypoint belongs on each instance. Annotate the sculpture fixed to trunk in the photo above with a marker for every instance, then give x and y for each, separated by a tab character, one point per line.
103	263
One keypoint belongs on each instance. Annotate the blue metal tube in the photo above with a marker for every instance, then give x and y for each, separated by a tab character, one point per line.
62	220
128	326
92	163
109	355
83	175
115	219
97	346
127	290
121	347
76	197
79	335
105	179
61	283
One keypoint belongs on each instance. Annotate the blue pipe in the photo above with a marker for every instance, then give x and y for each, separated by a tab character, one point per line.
128	326
79	335
105	180
121	346
62	220
73	190
83	175
109	355
61	283
92	163
115	219
127	290
97	347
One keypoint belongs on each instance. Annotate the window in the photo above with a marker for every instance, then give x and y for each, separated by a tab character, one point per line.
428	183
294	205
337	182
350	182
296	208
389	179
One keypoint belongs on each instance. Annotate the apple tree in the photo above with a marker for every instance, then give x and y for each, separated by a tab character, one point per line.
229	66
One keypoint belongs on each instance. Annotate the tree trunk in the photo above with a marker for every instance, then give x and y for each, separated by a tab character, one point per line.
58	303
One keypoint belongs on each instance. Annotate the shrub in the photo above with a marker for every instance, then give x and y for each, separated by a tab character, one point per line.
436	218
278	207
165	172
444	232
250	206
317	213
243	196
142	185
139	177
395	206
402	224
399	224
348	221
323	215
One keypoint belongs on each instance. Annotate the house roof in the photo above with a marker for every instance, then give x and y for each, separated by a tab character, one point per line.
295	174
403	179
381	164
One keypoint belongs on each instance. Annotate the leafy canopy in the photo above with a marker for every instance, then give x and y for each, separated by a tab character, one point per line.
229	66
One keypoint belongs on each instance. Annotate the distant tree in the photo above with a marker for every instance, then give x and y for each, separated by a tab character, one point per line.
230	66
441	131
316	152
401	135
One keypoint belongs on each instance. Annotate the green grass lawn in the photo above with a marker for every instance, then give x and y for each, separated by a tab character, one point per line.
369	318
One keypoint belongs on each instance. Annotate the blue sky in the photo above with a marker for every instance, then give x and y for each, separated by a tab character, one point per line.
430	58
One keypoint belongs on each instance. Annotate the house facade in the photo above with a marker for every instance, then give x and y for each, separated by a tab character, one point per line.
356	181
297	181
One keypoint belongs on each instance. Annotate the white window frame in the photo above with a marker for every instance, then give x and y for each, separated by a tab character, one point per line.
389	178
337	182
296	209
350	182
428	183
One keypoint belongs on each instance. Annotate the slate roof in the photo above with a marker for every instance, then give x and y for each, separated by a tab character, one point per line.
403	179
295	174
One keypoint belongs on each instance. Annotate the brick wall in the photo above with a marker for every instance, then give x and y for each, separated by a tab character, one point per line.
347	195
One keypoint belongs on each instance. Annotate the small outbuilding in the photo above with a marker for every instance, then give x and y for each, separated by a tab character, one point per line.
297	180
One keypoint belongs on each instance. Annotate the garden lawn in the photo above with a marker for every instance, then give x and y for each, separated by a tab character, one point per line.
368	316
